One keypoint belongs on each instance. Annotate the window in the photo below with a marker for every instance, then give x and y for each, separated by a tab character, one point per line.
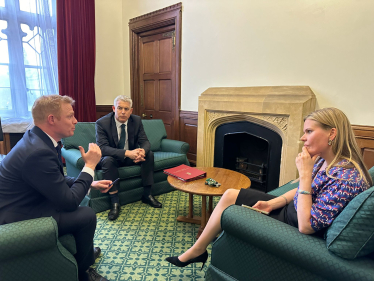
28	54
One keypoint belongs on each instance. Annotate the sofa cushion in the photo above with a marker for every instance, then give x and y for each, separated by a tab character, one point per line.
124	172
351	235
155	131
165	160
83	135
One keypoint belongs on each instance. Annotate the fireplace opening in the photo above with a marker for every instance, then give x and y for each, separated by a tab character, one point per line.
250	149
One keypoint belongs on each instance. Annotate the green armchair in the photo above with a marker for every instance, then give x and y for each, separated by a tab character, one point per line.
31	250
253	246
167	154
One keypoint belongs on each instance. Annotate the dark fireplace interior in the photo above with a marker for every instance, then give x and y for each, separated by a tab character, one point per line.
250	149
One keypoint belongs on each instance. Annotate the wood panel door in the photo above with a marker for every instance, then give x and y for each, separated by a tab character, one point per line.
155	66
157	78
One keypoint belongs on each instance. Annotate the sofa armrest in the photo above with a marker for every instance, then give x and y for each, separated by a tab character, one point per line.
284	188
74	157
284	241
27	237
174	146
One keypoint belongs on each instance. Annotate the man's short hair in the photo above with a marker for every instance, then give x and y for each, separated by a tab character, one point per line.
46	105
124	99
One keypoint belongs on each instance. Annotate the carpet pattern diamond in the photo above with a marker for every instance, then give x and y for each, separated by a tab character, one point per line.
134	246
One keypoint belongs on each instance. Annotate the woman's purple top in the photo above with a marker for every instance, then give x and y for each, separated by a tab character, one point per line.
331	195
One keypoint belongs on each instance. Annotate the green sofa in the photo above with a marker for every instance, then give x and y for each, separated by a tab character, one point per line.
253	246
30	250
167	153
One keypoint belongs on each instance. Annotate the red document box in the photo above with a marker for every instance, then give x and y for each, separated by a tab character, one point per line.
185	173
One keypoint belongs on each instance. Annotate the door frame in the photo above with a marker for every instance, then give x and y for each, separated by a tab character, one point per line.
146	23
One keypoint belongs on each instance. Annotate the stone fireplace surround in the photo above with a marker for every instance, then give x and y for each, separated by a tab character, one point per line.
278	108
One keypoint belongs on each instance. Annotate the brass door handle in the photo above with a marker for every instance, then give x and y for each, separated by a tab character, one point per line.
144	115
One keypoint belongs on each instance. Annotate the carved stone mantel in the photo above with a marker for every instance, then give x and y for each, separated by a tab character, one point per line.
279	108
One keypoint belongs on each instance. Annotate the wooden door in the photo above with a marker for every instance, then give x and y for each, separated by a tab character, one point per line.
157	78
155	66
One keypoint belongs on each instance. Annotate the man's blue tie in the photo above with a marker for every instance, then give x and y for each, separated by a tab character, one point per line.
122	140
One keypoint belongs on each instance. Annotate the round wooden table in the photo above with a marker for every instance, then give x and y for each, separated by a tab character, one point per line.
227	178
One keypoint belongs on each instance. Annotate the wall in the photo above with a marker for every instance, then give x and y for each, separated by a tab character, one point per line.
327	45
109	75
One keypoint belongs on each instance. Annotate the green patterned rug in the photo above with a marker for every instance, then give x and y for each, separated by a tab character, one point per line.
134	246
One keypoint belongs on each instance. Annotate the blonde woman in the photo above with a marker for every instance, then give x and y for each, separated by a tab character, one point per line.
331	174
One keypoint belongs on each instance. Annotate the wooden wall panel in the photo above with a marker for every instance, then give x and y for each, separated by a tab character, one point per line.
188	133
365	140
165	58
165	93
102	110
149	94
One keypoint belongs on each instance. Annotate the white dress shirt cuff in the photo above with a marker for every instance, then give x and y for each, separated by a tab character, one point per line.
89	171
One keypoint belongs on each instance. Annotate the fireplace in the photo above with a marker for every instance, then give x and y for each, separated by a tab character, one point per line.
277	109
250	149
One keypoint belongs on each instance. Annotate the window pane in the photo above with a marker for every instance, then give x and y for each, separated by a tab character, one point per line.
3	25
33	78
4	76
32	7
31	45
32	95
4	55
27	6
5	99
2	3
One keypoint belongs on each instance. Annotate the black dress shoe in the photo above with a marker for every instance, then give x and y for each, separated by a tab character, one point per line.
151	201
202	258
114	212
97	252
94	276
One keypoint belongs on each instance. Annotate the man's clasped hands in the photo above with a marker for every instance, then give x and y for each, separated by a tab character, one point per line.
93	156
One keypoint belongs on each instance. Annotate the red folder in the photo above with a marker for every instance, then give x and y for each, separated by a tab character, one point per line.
185	173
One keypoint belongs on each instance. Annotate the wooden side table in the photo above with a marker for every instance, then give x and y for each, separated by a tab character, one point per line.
227	178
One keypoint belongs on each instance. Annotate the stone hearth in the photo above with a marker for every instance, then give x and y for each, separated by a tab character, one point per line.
278	108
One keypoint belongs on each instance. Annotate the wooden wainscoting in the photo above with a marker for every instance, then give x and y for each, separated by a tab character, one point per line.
365	140
102	110
188	133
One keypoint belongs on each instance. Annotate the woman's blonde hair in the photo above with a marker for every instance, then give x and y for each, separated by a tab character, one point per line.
344	146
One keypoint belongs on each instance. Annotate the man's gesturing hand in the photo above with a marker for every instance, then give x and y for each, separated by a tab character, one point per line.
103	185
92	156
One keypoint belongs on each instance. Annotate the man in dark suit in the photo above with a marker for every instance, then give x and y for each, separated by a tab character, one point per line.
33	185
123	142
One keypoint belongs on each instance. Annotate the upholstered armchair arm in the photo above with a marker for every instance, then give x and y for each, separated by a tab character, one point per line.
74	157
27	237
284	188
286	242
174	146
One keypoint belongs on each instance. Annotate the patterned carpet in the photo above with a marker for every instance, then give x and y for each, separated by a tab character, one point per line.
134	247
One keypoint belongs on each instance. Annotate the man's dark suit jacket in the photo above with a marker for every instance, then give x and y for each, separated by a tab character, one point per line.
107	136
32	183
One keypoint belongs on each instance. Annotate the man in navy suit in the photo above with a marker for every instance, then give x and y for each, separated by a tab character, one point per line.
33	185
123	142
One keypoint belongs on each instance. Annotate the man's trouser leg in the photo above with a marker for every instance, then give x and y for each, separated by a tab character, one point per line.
82	225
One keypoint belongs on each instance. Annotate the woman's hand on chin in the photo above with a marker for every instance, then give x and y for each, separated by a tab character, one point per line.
305	162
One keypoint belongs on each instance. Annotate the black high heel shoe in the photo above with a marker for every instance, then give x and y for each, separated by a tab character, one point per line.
202	258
